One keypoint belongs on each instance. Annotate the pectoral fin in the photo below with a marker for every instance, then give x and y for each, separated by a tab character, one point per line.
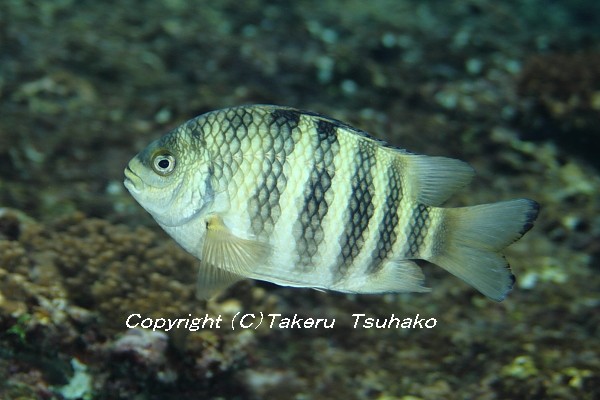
227	252
212	280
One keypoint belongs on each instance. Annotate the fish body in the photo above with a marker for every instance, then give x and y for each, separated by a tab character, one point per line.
300	199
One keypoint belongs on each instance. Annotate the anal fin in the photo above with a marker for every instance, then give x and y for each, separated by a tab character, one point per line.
395	276
398	276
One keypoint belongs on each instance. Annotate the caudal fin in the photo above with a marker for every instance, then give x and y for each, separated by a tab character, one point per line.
473	237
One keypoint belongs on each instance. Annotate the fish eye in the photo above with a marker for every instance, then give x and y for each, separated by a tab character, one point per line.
163	163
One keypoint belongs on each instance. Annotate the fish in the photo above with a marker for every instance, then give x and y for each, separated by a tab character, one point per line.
299	199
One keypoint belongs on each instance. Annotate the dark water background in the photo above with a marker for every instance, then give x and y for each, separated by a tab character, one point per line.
512	87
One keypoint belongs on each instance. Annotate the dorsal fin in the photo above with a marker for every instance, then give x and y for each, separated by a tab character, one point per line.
434	179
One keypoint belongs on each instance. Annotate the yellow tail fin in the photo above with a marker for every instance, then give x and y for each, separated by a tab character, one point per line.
474	237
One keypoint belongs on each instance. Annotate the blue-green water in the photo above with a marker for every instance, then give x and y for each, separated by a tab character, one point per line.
511	87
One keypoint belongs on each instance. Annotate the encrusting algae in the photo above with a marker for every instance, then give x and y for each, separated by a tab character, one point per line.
70	286
121	270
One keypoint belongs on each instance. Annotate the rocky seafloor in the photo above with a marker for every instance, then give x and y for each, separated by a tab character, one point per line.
511	87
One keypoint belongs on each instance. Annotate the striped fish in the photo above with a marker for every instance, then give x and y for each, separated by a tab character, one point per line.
299	199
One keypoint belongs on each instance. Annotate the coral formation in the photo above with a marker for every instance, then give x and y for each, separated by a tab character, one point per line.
70	286
471	80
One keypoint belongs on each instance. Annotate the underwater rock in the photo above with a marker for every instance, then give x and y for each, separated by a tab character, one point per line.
560	101
147	346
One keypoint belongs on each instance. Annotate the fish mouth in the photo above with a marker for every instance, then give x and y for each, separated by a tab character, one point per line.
131	180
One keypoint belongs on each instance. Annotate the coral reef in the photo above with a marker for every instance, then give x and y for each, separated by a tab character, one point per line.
66	290
510	87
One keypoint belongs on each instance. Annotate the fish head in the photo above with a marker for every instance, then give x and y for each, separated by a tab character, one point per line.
171	180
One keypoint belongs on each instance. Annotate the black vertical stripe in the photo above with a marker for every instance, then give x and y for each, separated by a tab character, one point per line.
419	225
326	131
389	222
360	209
278	142
308	230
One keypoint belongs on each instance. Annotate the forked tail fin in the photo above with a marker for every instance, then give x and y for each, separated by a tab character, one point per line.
471	239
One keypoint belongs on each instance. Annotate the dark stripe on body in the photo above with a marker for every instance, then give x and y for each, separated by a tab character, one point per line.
387	227
308	230
278	143
360	210
344	126
419	225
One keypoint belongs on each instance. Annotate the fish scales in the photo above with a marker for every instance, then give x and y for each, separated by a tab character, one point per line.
359	208
309	232
416	231
299	199
386	233
263	204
